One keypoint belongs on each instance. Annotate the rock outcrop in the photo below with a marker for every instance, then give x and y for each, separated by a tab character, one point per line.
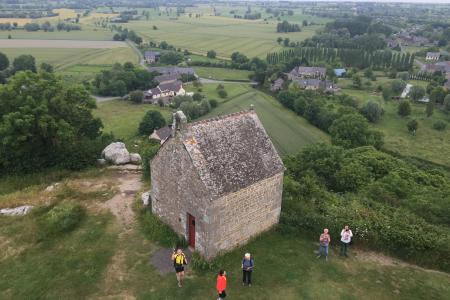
17	211
117	154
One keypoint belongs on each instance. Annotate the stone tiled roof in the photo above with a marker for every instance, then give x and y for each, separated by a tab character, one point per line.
166	78
231	152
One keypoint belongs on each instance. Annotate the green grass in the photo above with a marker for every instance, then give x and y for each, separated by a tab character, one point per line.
122	118
428	143
288	132
222	74
67	267
222	34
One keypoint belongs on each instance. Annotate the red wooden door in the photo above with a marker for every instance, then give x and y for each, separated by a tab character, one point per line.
191	222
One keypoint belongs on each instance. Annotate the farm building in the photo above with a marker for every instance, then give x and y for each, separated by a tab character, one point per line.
316	84
433	56
178	71
161	135
277	85
307	72
218	182
151	57
164	91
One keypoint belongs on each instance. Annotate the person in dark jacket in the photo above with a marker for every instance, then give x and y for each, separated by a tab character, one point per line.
247	269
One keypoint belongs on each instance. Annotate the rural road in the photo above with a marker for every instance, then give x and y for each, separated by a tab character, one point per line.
100	99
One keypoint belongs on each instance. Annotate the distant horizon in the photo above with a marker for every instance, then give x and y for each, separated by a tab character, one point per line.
373	1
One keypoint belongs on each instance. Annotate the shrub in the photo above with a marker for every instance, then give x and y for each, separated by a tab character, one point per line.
199	263
136	96
222	93
62	218
404	108
211	54
412	126
372	111
155	230
214	103
440	125
152	120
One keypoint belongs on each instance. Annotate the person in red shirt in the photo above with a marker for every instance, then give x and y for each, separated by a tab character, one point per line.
221	285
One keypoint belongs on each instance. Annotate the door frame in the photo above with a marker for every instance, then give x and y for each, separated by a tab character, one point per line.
191	235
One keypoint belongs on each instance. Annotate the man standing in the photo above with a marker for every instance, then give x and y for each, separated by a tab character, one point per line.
221	285
324	242
247	268
179	261
346	237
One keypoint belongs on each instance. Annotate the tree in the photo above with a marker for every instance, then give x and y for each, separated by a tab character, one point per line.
136	96
222	93
368	73
412	126
4	61
447	103
398	86
387	93
46	67
46	123
23	63
437	95
357	82
372	111
286	42
239	58
416	92
404	108
152	120
352	130
171	58
429	108
279	40
211	54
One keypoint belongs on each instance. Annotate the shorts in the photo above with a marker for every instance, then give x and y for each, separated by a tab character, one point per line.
179	269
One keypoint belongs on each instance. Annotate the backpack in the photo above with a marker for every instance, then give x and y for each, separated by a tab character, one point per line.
179	260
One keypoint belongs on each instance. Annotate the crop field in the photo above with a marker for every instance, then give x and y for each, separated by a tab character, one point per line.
88	34
62	58
61	44
224	35
288	132
222	74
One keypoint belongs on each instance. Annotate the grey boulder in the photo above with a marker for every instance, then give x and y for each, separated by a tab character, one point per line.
135	158
17	211
116	153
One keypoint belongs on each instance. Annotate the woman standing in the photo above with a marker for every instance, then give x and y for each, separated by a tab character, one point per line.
221	285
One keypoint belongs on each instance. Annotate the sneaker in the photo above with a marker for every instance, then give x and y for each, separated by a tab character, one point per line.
326	258
243	284
179	284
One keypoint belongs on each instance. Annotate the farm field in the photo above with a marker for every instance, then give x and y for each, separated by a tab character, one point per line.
88	33
222	74
428	143
224	35
62	58
288	132
72	44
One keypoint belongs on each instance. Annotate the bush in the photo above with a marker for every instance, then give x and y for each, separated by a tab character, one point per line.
222	93
214	103
404	108
199	263
62	218
152	120
136	96
440	125
372	111
412	126
211	54
155	230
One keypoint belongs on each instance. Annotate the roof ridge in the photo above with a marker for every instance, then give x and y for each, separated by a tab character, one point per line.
222	117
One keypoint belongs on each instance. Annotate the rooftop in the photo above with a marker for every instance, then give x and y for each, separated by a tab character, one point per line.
231	152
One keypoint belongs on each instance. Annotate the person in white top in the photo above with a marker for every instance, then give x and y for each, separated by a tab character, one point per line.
346	237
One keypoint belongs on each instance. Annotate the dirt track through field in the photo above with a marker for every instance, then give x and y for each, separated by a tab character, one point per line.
61	44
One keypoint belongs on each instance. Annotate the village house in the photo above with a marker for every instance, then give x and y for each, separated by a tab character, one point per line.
277	85
178	71
433	56
164	92
307	72
151	57
443	66
316	84
161	135
217	182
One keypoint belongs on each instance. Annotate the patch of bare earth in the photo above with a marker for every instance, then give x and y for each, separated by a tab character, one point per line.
383	260
120	205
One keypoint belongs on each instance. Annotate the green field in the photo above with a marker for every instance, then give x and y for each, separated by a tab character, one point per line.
122	118
224	35
88	33
62	58
288	132
223	74
428	143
